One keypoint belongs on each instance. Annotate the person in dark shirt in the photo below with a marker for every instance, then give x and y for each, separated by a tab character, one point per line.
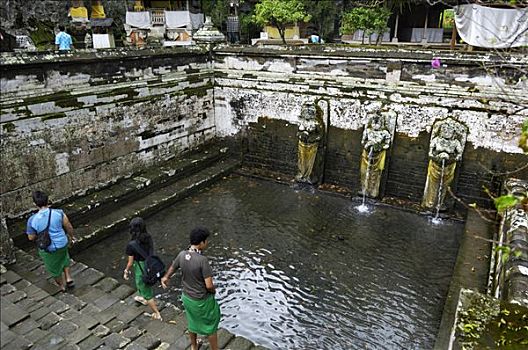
201	308
140	236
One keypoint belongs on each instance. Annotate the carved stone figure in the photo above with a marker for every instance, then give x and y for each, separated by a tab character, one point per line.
377	137
310	149
445	150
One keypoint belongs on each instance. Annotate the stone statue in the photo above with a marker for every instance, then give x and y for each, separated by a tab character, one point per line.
448	138
376	140
310	146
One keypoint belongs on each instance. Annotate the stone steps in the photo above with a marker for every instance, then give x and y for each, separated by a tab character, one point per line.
80	209
110	222
99	313
99	213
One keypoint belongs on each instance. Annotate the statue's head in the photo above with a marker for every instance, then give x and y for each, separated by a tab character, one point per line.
447	131
376	121
308	111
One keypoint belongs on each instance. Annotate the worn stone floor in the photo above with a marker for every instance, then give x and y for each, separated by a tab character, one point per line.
99	313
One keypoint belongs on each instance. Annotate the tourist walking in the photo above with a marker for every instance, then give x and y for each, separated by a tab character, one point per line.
201	308
55	223
63	40
140	240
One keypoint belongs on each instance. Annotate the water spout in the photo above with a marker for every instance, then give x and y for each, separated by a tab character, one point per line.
363	208
436	219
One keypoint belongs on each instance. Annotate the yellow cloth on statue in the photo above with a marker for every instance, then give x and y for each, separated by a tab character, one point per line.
374	170
378	160
78	12
434	178
306	159
98	11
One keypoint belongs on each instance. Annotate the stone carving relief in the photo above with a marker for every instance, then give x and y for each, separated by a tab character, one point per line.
310	145
377	138
448	138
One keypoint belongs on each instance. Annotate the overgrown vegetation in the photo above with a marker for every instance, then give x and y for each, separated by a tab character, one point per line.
486	323
369	20
280	14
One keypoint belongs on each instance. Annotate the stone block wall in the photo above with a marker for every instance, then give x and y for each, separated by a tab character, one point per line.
74	122
256	85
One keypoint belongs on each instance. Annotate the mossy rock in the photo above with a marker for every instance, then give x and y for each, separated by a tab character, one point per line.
42	34
484	322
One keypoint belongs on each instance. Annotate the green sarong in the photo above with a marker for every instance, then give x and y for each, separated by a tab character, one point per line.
143	290
203	315
56	261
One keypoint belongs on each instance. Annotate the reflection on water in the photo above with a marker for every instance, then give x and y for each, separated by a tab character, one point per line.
296	270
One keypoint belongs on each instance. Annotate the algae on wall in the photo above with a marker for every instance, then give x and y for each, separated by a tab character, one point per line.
484	322
43	35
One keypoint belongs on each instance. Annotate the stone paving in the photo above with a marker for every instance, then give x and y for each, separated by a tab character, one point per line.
99	313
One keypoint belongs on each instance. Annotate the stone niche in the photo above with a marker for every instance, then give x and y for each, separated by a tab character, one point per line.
256	88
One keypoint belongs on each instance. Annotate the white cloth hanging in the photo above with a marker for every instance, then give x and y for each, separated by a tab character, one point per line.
197	20
177	19
488	27
138	19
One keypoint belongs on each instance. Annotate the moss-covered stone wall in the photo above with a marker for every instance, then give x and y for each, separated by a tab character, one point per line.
484	91
75	122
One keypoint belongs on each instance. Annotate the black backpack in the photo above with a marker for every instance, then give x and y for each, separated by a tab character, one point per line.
154	266
43	237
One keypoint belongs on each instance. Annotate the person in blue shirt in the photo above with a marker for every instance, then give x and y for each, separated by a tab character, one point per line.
56	257
63	40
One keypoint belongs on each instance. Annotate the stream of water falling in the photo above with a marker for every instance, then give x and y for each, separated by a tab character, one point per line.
295	270
363	208
436	219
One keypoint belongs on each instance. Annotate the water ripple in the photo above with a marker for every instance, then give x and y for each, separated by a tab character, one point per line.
306	271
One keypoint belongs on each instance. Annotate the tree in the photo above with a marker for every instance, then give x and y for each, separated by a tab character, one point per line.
218	10
370	20
280	13
323	15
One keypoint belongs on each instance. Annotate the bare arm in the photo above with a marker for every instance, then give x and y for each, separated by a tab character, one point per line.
209	285
67	226
167	276
130	262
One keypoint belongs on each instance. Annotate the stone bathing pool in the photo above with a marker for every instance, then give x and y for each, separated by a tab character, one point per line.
296	270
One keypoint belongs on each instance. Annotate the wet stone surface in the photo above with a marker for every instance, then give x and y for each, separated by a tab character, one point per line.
93	318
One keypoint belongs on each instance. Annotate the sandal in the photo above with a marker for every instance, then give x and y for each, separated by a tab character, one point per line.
70	284
140	300
156	317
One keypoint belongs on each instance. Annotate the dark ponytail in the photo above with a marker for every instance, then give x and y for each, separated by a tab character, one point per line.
138	231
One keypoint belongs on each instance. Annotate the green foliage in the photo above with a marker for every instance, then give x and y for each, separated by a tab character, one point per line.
504	202
42	34
448	21
506	252
523	141
323	14
218	10
490	324
370	20
280	13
